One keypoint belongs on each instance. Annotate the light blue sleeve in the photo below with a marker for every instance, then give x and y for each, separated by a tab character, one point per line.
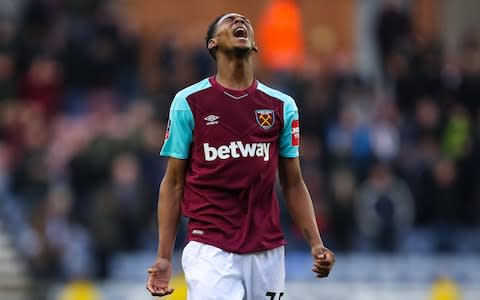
290	135
179	134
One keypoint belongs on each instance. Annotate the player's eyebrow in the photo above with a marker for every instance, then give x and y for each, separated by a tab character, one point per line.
231	16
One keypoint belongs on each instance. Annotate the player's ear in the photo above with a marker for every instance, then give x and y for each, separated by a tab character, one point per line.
212	43
254	47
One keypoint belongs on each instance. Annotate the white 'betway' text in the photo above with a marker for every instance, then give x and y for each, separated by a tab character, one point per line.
237	149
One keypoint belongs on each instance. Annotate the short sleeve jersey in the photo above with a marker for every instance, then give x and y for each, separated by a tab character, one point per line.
232	140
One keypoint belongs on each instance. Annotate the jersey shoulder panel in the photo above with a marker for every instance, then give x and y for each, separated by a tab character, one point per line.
289	102
180	100
179	131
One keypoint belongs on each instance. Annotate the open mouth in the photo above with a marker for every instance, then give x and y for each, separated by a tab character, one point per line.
240	32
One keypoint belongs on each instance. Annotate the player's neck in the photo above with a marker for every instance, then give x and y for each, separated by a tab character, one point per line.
235	74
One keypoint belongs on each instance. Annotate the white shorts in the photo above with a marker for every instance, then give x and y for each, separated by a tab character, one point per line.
214	274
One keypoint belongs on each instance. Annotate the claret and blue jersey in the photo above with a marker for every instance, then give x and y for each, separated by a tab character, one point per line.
232	140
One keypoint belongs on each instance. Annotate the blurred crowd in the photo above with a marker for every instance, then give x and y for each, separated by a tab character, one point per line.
392	164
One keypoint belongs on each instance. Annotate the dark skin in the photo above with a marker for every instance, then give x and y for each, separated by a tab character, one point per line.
234	71
300	207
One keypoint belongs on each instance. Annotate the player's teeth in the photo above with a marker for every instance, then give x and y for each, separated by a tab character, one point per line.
240	32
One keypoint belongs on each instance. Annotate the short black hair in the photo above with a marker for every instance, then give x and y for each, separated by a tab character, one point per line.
210	33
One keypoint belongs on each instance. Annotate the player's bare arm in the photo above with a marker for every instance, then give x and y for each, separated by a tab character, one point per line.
300	207
169	210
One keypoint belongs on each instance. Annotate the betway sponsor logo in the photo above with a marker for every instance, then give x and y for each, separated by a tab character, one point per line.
237	149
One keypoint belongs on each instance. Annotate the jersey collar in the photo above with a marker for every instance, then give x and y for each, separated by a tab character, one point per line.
235	94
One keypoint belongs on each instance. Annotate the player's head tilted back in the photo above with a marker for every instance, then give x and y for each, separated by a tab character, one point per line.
231	34
232	122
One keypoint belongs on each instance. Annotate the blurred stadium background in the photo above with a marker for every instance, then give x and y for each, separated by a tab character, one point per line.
389	95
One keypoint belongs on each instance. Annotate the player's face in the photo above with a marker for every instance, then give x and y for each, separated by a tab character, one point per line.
234	31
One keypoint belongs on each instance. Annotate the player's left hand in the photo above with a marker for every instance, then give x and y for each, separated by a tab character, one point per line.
323	261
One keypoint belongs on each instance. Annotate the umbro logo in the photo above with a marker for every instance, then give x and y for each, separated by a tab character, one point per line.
211	119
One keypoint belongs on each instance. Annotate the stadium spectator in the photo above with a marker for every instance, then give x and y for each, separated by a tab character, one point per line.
393	31
384	209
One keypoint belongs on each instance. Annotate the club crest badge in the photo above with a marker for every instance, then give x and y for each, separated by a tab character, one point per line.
265	118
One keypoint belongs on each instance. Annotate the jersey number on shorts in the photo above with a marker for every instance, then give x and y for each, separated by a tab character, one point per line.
273	294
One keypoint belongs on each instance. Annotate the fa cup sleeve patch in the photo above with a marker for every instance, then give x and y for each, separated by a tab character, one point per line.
295	133
167	131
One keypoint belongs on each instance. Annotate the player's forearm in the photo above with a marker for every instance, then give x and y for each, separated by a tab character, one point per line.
300	207
169	212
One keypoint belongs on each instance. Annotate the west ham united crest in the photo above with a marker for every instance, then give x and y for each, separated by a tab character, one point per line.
265	118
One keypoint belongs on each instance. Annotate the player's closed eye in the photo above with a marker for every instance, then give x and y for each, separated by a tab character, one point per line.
230	19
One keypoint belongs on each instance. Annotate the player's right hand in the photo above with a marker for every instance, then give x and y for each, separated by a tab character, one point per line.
158	277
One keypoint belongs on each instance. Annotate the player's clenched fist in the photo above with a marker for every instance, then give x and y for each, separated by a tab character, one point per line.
323	261
158	278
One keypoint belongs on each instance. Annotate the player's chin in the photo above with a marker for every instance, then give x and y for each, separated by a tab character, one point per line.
243	49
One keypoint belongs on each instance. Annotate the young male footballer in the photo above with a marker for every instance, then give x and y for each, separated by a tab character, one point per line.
227	136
